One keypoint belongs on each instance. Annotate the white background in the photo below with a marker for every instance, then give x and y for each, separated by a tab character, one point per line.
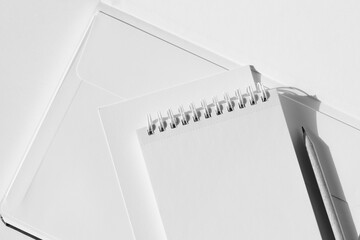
314	45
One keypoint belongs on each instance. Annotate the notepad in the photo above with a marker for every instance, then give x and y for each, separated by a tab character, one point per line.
230	176
120	122
233	175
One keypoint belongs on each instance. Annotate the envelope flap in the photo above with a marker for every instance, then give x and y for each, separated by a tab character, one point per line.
129	61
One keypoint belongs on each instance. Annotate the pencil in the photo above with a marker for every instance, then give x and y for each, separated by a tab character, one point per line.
324	188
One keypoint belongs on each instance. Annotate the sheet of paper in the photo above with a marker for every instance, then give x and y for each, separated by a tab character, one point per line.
120	128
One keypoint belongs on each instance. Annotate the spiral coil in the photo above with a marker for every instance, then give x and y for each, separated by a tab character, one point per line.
230	104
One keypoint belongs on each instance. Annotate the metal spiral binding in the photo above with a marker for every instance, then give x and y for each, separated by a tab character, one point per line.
231	104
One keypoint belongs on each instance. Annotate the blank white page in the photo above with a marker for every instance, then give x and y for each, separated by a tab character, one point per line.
233	176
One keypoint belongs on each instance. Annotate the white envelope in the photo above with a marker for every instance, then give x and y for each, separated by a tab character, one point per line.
66	186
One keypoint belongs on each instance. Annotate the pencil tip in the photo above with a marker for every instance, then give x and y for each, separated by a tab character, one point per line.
303	130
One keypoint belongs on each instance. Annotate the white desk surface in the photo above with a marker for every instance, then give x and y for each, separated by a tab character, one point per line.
39	39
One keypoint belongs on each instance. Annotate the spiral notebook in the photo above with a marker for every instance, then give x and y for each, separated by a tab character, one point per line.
229	176
120	122
227	170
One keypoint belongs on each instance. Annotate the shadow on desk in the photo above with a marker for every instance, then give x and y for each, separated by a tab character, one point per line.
300	109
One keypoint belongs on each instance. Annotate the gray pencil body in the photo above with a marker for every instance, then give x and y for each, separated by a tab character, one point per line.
324	188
